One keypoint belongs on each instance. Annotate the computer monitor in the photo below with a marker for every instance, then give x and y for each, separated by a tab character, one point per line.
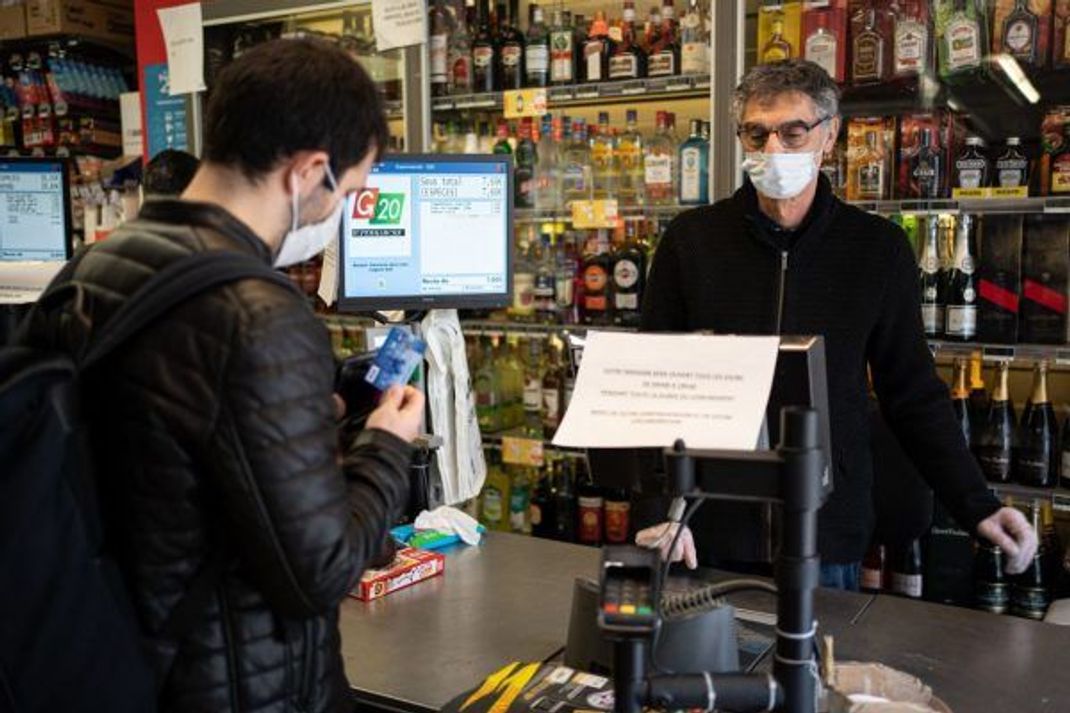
35	210
429	231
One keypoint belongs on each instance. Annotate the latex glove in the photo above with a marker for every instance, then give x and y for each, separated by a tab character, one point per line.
448	519
660	537
1008	528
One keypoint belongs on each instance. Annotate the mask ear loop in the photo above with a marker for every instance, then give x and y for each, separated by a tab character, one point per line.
293	203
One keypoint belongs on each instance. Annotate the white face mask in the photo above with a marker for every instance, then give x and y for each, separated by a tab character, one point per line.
304	243
781	175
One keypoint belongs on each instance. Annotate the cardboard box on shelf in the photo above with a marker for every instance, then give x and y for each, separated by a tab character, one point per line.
12	19
1045	268
1000	277
410	566
109	20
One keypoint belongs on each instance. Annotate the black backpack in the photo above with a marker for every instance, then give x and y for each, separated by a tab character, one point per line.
69	638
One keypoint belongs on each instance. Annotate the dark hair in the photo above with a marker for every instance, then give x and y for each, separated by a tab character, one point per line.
291	95
766	81
169	172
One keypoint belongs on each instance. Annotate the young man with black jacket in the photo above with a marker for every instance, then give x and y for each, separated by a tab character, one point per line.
785	256
214	428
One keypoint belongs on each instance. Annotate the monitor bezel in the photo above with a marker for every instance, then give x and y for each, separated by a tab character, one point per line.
442	301
68	227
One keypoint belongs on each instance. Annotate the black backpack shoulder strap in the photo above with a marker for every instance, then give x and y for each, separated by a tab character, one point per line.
171	286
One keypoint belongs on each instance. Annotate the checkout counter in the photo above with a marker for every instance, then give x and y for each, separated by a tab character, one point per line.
510	599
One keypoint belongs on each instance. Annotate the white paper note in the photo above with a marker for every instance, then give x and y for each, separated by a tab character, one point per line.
399	23
328	289
130	120
183	33
22	282
647	390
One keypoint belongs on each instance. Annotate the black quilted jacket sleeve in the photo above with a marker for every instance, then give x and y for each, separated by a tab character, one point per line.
301	531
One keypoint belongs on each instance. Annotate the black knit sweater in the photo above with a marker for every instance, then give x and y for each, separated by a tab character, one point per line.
850	277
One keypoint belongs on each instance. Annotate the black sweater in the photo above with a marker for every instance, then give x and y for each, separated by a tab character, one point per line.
850	277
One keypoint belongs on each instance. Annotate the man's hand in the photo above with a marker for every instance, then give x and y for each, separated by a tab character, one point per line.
660	537
1009	529
399	412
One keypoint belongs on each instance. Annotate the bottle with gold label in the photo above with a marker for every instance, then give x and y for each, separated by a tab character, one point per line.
777	48
960	398
868	50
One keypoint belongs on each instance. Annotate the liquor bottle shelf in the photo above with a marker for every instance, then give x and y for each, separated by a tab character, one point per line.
1056	354
1058	496
676	87
535	215
1050	204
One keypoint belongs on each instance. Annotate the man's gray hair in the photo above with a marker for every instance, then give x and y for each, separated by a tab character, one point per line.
766	81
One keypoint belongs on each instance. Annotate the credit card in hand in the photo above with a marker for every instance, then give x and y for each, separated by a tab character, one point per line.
397	359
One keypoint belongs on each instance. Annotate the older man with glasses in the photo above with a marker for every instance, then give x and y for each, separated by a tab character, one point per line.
784	256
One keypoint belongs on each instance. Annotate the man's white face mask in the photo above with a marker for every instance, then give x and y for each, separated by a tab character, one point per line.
781	175
305	242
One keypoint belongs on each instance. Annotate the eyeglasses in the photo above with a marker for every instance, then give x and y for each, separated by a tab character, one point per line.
792	134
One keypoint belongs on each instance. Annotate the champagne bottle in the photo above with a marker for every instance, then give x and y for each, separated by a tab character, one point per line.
932	298
990	587
1065	461
960	399
1029	594
962	287
1035	460
995	444
978	406
907	578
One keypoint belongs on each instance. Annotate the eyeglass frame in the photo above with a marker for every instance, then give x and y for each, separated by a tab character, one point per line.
778	129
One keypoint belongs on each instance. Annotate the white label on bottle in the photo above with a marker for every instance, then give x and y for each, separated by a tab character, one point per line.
538	58
962	321
962	43
1010	178
1019	37
437	50
511	56
821	50
657	170
690	175
523	292
551	405
626	301
561	57
695	58
907	584
482	56
970	178
871	579
625	274
661	64
933	318
593	54
623	66
911	39
533	394
871	180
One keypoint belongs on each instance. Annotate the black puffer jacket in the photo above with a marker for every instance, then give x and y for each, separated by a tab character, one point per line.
214	431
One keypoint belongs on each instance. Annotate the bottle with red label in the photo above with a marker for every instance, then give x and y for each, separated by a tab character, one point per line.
617	516
597	276
591	512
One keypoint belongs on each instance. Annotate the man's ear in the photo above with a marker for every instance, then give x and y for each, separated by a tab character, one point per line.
309	167
833	134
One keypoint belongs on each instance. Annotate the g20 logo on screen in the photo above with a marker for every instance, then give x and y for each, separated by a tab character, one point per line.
378	208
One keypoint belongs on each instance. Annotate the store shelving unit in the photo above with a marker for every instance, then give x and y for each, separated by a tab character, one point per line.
1050	205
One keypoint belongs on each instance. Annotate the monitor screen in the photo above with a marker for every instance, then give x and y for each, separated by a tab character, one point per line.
34	210
429	231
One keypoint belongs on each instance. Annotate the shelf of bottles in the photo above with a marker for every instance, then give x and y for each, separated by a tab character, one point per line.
978	206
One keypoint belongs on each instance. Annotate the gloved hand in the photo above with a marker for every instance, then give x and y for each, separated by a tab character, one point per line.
1008	528
660	537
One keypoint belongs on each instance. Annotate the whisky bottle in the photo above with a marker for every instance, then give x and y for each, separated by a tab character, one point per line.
962	286
628	60
995	444
932	298
1012	168
925	173
871	176
867	58
972	166
663	59
1020	33
597	49
911	50
1036	458
777	48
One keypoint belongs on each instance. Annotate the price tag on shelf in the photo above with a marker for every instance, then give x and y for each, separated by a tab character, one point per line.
1016	192
959	193
522	451
520	103
594	214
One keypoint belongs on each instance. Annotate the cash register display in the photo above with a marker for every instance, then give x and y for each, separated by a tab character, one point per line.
34	210
429	231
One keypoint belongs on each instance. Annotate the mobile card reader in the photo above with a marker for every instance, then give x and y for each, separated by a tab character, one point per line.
629	591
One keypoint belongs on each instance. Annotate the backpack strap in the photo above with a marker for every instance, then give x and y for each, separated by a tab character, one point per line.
174	284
